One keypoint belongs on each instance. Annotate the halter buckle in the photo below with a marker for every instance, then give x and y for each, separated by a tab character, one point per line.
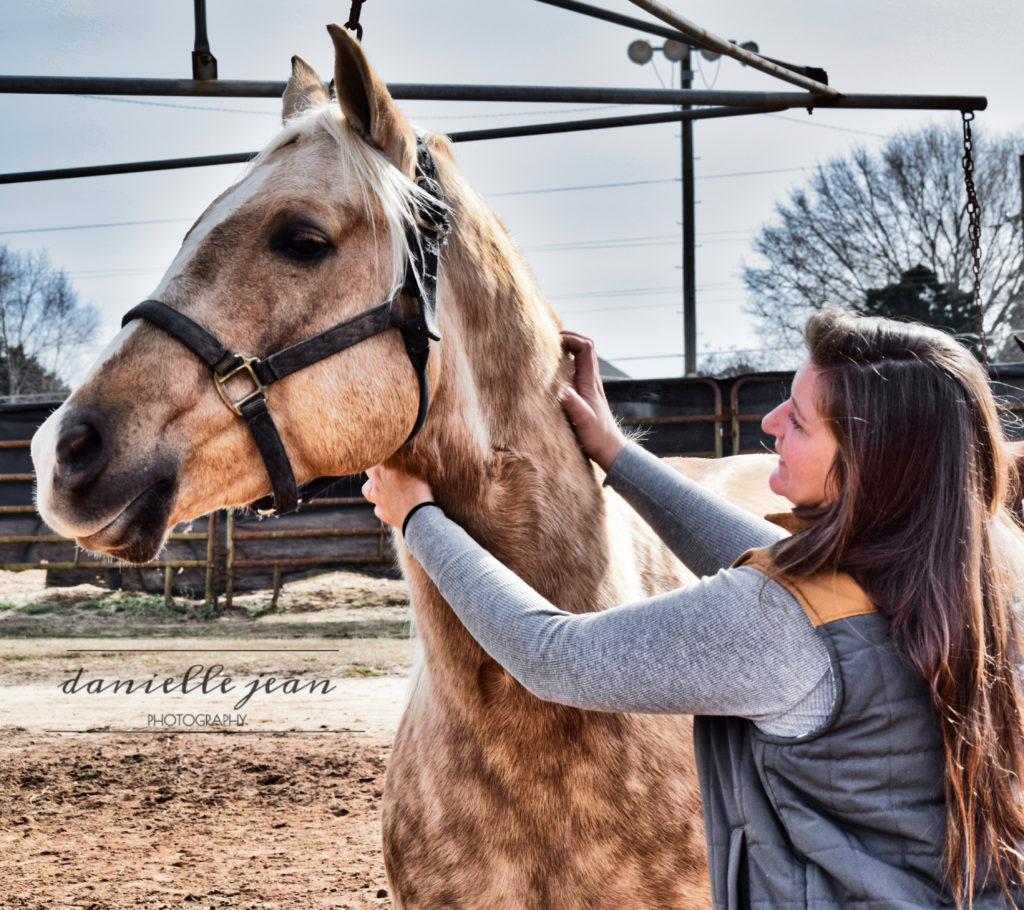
424	216
260	390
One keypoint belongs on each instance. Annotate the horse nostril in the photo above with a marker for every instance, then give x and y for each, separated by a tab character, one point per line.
82	449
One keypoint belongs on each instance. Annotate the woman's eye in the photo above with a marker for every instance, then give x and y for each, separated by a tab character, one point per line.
793	420
302	245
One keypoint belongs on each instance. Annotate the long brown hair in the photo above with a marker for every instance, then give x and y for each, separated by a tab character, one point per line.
919	520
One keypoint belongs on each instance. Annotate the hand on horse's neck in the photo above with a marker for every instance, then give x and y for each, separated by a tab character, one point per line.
498	449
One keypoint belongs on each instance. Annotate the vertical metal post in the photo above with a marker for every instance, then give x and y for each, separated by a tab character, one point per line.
277	587
230	561
689	245
204	64
211	540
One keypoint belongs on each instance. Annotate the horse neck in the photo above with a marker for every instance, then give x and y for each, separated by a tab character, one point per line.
497	448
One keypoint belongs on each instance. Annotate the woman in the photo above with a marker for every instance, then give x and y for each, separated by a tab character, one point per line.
860	728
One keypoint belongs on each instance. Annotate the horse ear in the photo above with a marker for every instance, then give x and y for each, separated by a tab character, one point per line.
1019	341
367	105
305	89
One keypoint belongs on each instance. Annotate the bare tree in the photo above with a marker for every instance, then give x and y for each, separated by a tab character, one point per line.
864	221
43	328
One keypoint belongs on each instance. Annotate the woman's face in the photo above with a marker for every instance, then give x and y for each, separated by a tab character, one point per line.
804	442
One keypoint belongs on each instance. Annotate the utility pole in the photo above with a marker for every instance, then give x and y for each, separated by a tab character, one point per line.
640	52
689	243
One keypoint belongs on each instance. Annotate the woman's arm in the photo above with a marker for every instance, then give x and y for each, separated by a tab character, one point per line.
734	643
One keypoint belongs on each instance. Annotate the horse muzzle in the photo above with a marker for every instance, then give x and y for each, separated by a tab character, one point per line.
84	490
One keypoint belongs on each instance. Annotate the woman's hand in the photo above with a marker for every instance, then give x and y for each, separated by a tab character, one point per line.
394	494
587	406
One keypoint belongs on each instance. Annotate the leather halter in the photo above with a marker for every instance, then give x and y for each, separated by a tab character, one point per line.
424	242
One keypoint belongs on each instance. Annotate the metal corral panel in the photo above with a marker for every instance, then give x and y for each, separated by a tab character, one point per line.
671	416
705	417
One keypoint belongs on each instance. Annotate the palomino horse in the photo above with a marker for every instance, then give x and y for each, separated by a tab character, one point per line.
493	798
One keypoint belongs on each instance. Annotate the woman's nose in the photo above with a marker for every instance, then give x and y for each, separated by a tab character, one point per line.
770	422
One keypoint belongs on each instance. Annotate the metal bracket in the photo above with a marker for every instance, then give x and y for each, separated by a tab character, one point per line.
204	64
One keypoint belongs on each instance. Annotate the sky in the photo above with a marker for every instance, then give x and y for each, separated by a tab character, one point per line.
597	214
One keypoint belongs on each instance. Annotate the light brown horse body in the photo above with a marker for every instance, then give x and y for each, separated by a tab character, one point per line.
493	798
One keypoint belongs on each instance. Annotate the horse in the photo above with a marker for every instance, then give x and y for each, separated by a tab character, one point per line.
492	798
1015	456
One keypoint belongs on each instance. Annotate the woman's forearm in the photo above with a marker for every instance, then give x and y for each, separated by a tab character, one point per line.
699	650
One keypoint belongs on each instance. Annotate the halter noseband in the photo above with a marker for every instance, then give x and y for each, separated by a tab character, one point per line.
424	243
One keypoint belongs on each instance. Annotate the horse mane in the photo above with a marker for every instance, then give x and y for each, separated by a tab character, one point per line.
385	190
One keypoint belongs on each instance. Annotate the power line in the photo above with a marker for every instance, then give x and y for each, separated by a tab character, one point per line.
534	192
618	292
546	113
613	309
184	107
85	227
613	243
274	113
114	273
703	353
645	357
827	126
604	186
568	189
777	170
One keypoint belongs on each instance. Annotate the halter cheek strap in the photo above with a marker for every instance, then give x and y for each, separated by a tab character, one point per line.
424	242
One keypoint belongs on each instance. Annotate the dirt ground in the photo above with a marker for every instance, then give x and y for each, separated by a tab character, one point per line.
116	799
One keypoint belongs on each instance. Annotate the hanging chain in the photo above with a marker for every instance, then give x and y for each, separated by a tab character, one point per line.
353	19
974	227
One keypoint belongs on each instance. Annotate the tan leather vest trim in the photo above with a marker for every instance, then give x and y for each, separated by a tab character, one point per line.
825	597
787	521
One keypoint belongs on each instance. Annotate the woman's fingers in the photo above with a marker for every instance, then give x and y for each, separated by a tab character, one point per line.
586	370
587	406
394	493
578	410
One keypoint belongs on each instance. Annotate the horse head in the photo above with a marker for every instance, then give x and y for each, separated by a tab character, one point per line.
315	233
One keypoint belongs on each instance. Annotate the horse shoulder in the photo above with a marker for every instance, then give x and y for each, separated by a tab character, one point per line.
1015	450
741	479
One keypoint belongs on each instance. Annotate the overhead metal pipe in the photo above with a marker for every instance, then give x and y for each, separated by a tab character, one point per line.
640	25
538	129
132	167
731	50
672	34
677	97
109	85
600	123
415	91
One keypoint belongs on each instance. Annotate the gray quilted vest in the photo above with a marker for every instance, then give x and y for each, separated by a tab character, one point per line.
850	815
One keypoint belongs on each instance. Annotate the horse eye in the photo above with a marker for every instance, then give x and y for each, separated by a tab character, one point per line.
301	244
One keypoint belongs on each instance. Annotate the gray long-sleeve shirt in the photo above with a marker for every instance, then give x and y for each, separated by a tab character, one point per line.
733	643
